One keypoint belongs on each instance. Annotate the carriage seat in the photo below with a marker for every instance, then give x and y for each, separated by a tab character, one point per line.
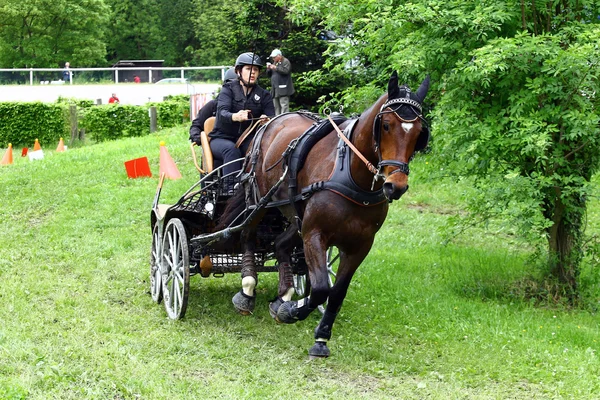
207	157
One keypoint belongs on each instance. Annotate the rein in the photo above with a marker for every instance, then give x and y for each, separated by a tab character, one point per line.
341	135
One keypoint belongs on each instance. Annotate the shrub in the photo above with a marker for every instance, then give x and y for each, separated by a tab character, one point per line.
21	123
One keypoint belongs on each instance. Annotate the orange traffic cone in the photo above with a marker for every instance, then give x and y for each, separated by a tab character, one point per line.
8	158
167	165
37	153
61	146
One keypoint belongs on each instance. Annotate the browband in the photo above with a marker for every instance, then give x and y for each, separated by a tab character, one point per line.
402	100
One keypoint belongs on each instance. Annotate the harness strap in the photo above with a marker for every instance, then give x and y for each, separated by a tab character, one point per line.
341	135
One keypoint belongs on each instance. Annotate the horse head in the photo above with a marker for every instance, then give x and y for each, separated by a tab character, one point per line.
399	131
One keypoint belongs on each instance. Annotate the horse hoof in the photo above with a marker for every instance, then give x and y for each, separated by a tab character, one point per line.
243	303
287	313
319	350
274	307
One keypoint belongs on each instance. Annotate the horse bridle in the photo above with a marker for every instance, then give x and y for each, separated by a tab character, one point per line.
401	166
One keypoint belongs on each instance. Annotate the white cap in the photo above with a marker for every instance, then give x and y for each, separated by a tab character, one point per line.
275	53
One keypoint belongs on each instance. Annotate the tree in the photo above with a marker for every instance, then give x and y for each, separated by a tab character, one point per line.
514	97
45	33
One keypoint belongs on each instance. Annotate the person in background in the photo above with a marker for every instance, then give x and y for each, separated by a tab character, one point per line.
281	81
136	79
113	99
67	72
241	102
208	110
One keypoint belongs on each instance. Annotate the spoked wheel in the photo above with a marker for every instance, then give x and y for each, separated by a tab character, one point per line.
333	260
155	270
302	284
176	269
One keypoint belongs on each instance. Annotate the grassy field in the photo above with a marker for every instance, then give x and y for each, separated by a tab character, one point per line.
423	319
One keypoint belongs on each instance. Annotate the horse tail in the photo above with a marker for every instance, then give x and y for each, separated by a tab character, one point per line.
234	207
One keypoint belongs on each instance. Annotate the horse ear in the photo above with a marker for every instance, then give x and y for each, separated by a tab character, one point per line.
423	89
393	89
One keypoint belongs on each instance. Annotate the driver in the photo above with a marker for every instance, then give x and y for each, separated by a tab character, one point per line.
240	103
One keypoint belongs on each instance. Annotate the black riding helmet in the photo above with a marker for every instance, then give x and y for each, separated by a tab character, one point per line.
230	75
248	58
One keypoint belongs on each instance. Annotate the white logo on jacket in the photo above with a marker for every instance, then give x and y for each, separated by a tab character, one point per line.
256	97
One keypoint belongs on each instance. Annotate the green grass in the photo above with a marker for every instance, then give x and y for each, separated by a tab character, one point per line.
422	319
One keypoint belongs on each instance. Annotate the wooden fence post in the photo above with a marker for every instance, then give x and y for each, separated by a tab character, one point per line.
152	113
74	124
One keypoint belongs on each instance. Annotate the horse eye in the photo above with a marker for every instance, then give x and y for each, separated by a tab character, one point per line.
386	126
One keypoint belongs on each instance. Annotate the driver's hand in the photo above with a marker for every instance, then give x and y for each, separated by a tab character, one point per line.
240	116
264	119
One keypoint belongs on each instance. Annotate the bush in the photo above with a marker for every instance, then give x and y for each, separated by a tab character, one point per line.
21	123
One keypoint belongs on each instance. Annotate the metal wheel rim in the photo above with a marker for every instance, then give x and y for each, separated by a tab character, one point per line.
300	285
333	256
155	270
176	265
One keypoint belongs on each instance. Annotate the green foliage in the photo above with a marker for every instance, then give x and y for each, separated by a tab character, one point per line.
21	123
514	99
43	33
113	121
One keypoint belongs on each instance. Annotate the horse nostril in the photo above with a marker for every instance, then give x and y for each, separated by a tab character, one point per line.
392	192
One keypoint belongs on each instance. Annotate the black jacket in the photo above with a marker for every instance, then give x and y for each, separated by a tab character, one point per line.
231	100
207	111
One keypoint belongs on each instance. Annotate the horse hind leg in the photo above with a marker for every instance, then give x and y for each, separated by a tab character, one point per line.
284	245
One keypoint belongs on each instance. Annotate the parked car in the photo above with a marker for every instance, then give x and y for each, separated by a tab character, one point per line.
171	80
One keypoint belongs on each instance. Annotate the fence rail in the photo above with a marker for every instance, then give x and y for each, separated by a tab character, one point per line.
113	70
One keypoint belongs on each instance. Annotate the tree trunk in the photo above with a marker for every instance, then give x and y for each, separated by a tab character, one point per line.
564	240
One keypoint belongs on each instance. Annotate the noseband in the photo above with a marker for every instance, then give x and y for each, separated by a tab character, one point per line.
386	109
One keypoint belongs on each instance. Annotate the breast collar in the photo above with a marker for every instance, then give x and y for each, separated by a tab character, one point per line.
341	181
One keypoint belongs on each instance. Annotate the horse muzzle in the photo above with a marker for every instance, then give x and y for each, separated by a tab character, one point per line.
393	191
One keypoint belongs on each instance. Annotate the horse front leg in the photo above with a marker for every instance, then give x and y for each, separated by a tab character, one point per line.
348	266
244	300
284	246
315	253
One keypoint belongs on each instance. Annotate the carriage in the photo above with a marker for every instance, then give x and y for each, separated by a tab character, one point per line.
184	242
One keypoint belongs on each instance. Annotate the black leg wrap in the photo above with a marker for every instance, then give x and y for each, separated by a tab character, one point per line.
243	303
248	267
274	306
292	311
286	277
323	330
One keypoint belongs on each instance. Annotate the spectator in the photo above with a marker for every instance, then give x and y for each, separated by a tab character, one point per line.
136	79
113	99
67	72
281	81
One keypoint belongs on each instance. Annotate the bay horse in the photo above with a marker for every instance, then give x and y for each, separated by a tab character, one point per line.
346	213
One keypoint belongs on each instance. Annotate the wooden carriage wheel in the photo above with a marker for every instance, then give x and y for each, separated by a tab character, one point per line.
176	264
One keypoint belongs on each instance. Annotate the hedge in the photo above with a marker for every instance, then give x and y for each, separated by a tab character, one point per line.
21	123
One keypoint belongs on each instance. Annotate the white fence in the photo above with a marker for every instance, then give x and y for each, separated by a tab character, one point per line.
113	70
